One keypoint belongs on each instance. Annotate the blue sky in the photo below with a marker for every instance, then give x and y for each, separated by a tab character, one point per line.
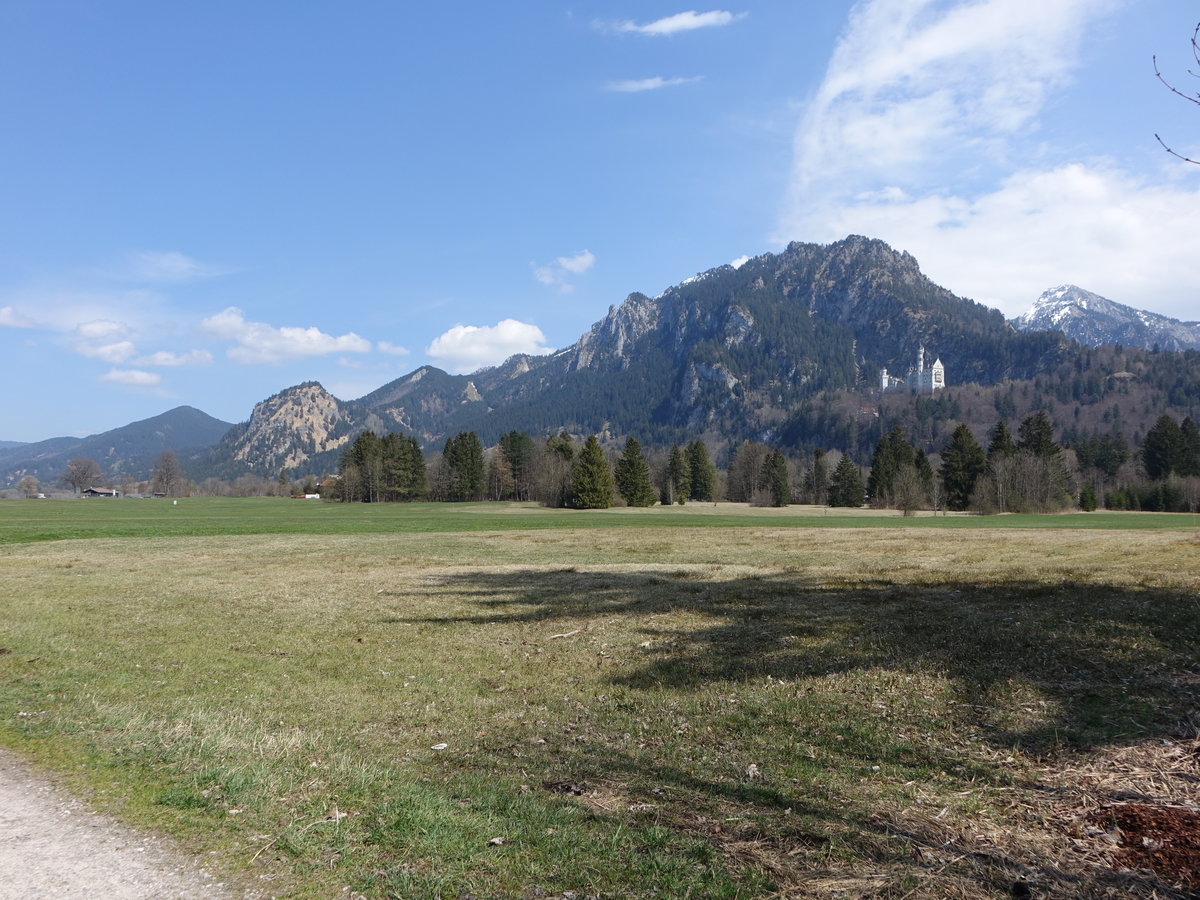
206	203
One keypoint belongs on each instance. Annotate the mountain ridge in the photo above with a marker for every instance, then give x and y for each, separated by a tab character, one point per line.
1094	320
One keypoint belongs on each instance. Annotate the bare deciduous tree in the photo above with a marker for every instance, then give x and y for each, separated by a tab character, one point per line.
167	477
81	473
1190	97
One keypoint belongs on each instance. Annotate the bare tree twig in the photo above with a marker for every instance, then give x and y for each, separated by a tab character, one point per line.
1174	90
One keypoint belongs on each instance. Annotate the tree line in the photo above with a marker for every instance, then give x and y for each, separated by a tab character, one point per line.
1025	471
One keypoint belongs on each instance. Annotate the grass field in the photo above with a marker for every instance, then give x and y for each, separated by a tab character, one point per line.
441	701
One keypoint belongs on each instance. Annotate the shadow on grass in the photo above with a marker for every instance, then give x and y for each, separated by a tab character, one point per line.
1099	664
1105	658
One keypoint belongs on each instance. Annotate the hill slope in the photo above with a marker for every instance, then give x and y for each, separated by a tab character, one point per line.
127	452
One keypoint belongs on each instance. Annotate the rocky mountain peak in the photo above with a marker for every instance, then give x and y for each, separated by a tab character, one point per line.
1094	320
290	427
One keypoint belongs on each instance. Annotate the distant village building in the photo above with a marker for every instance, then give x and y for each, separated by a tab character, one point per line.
922	378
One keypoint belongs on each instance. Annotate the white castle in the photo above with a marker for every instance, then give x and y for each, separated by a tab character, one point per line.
922	379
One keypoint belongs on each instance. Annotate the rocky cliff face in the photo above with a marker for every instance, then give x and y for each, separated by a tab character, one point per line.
729	351
1094	320
304	427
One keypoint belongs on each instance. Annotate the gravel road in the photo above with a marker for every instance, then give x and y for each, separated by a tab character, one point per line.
53	846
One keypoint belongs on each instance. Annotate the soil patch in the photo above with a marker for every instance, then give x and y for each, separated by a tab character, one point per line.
1163	839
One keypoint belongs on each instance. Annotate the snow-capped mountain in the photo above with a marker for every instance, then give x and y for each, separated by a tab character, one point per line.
1094	320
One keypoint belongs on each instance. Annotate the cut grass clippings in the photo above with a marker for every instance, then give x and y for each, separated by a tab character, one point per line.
706	712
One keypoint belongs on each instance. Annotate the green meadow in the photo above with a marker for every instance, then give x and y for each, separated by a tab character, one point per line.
487	700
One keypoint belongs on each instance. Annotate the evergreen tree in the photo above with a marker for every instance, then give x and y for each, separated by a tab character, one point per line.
678	478
962	464
846	486
1087	498
775	479
1036	435
361	469
892	453
1001	442
519	450
633	476
816	481
702	472
1189	457
463	457
403	468
591	479
1162	449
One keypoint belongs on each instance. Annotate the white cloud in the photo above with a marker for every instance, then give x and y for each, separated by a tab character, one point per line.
167	358
638	85
131	377
116	352
391	349
10	318
99	329
684	21
1091	225
258	342
740	261
465	348
912	138
558	273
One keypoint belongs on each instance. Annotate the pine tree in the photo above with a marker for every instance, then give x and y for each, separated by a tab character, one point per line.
591	478
775	479
519	450
892	453
1001	442
1189	451
463	456
1036	435
846	486
703	473
963	462
633	476
1162	449
678	478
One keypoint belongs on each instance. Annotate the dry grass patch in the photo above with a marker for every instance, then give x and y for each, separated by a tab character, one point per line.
713	712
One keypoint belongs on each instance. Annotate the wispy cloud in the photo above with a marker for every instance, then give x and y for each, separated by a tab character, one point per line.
465	348
922	133
684	21
170	359
391	349
131	377
558	273
258	342
637	85
10	318
169	266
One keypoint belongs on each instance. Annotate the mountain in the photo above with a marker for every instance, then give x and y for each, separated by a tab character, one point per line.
1094	320
127	452
730	353
8	445
302	428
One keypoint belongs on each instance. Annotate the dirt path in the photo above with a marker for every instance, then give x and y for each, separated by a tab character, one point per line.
53	846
